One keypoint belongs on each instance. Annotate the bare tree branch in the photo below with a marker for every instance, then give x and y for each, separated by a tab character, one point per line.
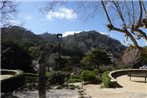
139	23
106	12
119	12
7	10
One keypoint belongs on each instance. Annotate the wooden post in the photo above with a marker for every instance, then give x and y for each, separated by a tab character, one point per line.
42	80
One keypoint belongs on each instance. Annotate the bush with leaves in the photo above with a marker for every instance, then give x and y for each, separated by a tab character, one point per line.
90	76
106	79
74	79
15	57
57	78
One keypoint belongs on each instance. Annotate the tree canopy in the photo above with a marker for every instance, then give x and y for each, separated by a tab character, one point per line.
14	57
95	58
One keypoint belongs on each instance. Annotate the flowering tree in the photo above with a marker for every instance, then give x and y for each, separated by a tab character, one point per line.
131	57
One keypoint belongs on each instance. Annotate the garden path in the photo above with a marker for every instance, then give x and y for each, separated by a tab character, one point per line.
135	88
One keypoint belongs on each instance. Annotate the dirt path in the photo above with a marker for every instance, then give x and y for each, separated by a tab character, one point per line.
131	89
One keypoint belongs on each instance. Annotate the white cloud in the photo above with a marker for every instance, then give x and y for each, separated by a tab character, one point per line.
104	33
73	32
14	22
70	33
62	13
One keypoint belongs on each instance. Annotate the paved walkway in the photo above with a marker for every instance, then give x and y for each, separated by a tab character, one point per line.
136	88
5	76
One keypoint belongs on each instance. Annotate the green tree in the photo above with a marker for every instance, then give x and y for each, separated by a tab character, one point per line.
95	58
14	57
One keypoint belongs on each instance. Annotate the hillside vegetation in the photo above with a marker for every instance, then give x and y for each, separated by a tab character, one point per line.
73	47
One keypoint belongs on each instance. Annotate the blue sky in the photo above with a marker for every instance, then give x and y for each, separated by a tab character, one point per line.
63	20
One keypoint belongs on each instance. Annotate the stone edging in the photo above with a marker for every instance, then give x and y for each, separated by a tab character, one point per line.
12	83
114	74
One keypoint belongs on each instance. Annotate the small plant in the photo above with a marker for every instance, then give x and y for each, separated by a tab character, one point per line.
96	71
106	79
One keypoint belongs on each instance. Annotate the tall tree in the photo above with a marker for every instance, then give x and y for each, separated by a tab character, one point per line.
95	58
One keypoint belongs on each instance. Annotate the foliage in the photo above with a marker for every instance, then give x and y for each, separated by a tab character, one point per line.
96	71
20	35
87	40
106	79
144	56
57	78
73	47
96	57
31	74
74	79
14	57
106	68
33	51
90	76
132	57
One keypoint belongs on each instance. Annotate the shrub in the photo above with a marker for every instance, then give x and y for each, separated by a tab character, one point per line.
31	74
96	71
57	78
13	83
106	79
15	57
74	79
90	76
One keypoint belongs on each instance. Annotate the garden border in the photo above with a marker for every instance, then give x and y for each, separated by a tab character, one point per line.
12	83
114	74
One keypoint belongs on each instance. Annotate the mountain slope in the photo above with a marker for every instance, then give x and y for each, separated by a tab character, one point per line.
19	35
77	43
92	39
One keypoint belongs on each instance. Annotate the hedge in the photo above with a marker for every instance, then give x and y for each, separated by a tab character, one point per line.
14	82
57	78
74	79
90	76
